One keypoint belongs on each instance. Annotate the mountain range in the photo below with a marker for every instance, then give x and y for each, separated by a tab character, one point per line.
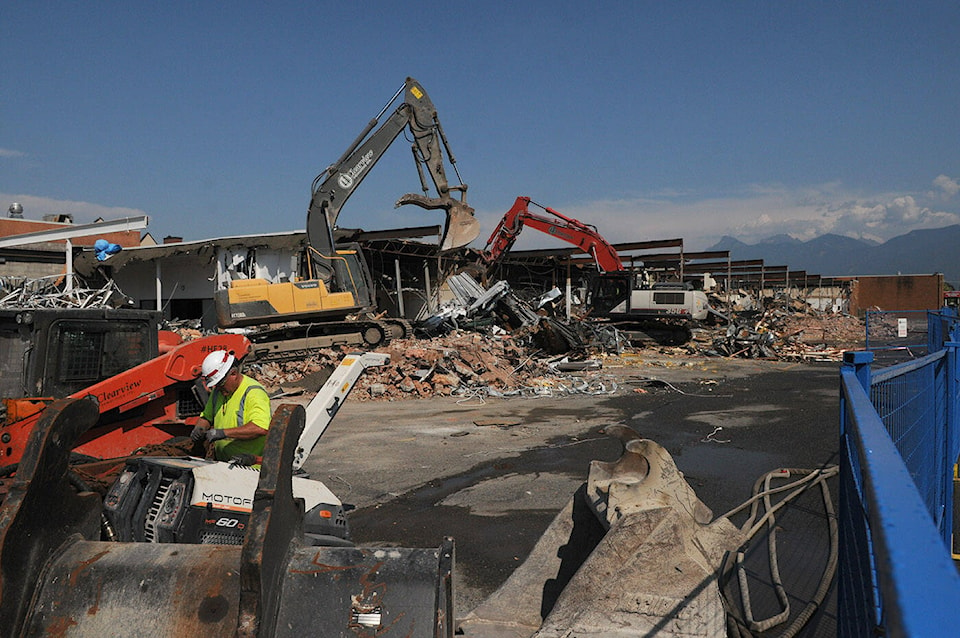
919	252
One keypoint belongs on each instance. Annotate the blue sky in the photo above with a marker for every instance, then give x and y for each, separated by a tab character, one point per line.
650	120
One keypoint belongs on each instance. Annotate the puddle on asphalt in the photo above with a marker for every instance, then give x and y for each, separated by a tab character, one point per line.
742	416
516	492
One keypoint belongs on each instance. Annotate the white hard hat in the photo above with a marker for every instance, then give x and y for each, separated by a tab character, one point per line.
215	367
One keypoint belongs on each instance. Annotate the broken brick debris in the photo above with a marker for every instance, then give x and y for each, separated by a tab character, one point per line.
469	363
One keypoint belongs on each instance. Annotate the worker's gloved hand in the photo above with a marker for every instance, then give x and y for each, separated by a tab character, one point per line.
244	460
197	433
213	434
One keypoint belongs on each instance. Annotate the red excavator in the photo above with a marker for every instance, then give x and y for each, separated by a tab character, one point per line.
642	310
583	236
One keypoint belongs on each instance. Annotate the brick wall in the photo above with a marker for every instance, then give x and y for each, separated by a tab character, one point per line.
896	292
10	227
30	270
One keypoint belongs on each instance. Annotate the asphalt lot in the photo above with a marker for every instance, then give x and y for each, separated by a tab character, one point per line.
492	473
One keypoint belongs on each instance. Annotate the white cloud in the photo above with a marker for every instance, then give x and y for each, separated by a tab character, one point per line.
947	185
35	207
760	211
756	213
6	152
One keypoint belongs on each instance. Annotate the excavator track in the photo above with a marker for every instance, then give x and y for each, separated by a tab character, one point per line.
302	340
398	328
654	333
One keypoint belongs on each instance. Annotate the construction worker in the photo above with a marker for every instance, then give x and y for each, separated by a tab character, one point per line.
238	408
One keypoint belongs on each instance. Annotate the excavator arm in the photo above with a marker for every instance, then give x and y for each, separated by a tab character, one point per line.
336	184
570	230
333	282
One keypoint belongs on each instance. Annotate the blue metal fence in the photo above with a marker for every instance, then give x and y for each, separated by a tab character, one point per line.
899	442
896	335
910	400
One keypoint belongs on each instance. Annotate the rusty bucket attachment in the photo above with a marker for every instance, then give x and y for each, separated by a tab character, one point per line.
57	579
634	553
461	226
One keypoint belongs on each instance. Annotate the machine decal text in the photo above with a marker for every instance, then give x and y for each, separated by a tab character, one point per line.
347	179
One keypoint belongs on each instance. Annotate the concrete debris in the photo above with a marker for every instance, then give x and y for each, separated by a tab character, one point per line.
552	358
788	329
781	327
742	340
461	364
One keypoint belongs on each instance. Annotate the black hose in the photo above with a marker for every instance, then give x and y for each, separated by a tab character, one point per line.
735	626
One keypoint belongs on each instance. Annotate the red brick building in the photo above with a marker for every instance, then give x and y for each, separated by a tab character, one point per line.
11	227
895	292
48	258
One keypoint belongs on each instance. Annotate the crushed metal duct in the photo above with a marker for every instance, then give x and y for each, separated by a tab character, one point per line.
473	303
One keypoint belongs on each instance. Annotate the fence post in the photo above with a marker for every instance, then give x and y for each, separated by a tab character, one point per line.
935	336
866	330
951	390
952	440
860	361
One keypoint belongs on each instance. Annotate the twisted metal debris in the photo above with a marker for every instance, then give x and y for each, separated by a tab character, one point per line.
52	292
556	387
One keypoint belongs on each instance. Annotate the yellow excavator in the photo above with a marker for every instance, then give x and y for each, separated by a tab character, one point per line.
332	281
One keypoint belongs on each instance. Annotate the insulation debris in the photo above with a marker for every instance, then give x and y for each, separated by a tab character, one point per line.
474	305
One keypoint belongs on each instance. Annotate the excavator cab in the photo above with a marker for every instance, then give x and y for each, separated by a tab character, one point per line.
609	293
55	352
345	288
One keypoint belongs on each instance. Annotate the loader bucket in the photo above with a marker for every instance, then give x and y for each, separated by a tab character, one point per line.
461	226
56	578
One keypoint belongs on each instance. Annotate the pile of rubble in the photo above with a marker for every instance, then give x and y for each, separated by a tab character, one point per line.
782	327
491	344
498	311
461	364
792	332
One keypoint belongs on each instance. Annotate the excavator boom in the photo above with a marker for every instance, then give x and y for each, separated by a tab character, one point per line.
560	226
334	186
333	281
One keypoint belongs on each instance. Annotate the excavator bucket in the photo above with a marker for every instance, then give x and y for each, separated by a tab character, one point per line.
460	228
633	553
58	578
